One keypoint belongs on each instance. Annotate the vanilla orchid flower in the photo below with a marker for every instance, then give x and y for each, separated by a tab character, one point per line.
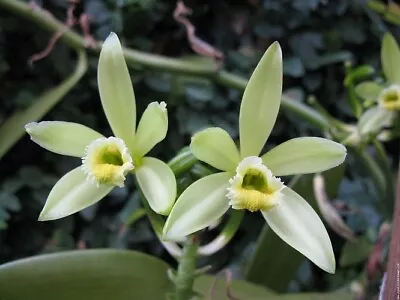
249	180
385	95
107	160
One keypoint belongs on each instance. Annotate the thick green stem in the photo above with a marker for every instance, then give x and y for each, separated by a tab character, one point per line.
182	162
156	62
185	274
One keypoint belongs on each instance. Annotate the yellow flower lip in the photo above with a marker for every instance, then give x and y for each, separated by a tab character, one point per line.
107	161
254	187
389	98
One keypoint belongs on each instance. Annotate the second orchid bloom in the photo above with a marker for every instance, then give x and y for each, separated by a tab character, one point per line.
385	95
106	161
248	179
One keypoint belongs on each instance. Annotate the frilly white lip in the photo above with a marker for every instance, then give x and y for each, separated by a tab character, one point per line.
390	91
116	174
254	199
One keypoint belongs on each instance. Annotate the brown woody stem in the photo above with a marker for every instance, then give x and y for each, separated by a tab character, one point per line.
392	282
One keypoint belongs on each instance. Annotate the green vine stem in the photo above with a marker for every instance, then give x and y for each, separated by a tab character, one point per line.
156	62
186	273
183	161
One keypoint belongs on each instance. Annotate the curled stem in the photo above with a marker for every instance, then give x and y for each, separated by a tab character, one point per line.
226	234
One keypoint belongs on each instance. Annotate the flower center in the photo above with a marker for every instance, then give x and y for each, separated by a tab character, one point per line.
107	161
254	187
389	98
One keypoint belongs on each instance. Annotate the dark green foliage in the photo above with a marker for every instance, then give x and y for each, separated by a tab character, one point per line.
317	38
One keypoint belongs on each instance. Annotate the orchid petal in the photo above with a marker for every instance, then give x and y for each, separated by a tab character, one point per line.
116	91
297	224
369	90
158	184
260	103
72	193
215	147
390	58
374	119
152	128
199	206
304	155
64	138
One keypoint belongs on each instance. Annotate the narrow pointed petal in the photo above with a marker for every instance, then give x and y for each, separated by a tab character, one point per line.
390	58
64	138
116	91
304	155
374	119
152	128
199	206
157	183
297	224
369	90
260	103
71	194
215	147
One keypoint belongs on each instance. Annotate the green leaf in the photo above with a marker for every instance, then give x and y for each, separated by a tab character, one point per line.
390	58
13	129
3	225
240	289
9	201
358	73
330	58
355	252
99	274
333	178
199	91
103	274
270	245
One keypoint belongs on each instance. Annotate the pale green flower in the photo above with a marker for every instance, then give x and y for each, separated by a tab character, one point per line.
385	95
248	180
106	161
